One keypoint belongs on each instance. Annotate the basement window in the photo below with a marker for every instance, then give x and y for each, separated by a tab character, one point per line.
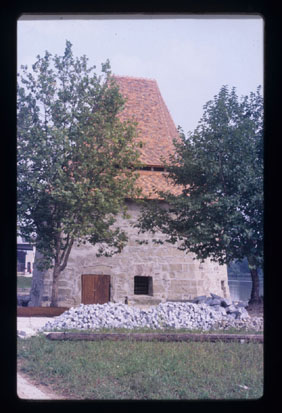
152	168
143	285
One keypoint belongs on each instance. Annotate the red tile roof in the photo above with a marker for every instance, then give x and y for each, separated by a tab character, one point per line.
152	181
145	105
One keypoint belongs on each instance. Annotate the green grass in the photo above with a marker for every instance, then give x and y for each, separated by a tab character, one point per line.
24	282
230	330
144	370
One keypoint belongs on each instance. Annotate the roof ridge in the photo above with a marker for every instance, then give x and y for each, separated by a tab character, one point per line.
162	109
135	78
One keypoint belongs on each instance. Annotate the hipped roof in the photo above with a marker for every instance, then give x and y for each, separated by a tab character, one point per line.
156	128
145	105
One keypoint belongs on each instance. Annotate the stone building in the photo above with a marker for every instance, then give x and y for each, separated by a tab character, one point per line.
140	274
25	257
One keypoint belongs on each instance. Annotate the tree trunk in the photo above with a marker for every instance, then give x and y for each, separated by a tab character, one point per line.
253	267
37	282
60	264
255	287
55	286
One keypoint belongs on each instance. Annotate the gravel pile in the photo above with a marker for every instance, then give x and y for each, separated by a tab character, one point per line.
169	315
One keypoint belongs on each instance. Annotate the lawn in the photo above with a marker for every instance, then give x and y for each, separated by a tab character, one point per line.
144	370
24	282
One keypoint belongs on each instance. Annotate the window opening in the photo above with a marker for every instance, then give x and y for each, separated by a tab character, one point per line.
143	285
152	168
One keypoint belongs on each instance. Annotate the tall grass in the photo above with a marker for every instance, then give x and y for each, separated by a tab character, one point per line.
145	370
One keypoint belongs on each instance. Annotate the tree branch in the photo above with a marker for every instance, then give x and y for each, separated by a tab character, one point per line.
58	247
68	250
65	248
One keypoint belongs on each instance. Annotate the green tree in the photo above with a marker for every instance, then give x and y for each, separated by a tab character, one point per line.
220	167
75	159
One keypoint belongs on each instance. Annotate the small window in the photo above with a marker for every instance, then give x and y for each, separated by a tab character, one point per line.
143	285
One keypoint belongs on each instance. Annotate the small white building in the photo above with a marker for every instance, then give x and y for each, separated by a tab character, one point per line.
25	257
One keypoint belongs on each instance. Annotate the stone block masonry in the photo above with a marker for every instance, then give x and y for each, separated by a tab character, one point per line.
174	274
140	274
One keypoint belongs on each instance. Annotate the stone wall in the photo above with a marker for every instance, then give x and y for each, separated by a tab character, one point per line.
175	274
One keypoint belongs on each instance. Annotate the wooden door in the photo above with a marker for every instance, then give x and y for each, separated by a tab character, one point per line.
95	289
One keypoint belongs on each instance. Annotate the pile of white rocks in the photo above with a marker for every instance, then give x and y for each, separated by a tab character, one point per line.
200	314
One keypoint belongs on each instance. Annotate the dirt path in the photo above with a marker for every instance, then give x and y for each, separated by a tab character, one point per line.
29	391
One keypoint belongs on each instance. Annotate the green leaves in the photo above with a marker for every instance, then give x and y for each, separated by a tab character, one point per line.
75	157
220	167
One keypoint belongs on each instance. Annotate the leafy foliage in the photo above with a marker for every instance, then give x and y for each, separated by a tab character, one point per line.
75	157
220	168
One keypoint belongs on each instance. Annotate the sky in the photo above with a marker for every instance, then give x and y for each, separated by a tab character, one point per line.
190	58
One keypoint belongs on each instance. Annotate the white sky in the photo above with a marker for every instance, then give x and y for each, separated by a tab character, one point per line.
190	58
